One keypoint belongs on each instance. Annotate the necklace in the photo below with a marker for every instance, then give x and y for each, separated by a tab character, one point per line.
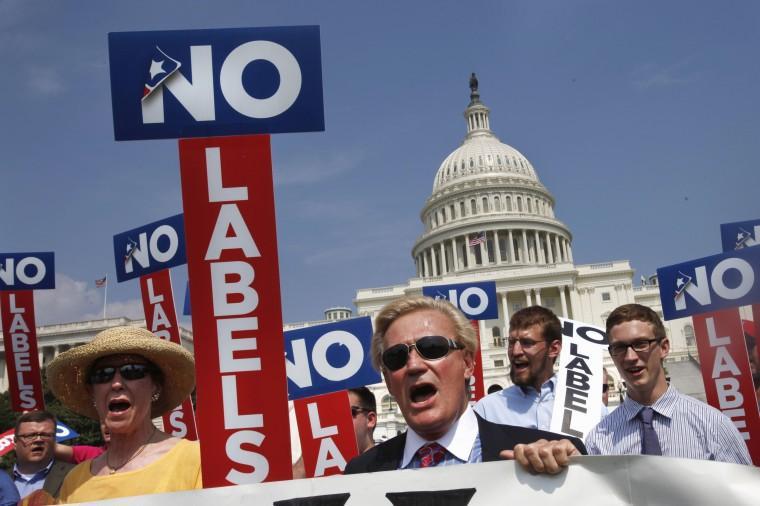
113	469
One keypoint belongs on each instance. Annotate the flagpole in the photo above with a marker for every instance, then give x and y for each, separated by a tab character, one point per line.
105	299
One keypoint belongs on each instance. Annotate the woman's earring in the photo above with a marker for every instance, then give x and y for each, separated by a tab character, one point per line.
155	396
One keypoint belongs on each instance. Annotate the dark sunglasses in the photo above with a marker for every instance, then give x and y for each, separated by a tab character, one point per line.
127	371
428	347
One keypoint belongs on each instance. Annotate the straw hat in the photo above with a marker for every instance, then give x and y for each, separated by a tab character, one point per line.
67	373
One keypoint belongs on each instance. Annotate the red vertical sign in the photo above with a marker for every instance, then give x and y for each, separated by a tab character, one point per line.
20	341
726	373
326	431
161	319
477	386
228	200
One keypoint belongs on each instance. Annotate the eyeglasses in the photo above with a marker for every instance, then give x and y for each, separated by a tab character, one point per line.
28	438
605	387
428	347
639	346
127	371
355	410
525	343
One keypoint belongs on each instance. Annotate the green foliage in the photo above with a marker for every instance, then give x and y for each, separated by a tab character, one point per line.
89	430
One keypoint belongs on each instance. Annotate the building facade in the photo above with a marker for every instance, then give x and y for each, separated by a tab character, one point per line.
489	218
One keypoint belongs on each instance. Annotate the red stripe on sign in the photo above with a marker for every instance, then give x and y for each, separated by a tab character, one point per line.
726	372
477	387
326	431
228	199
161	319
20	340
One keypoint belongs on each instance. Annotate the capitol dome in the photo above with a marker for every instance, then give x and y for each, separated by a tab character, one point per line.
488	207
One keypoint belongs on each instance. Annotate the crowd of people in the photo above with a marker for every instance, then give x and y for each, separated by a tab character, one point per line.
425	349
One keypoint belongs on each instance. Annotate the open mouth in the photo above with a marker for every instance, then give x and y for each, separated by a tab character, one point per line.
421	393
118	406
520	366
635	371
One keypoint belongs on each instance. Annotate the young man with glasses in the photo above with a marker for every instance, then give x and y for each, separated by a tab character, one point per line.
535	342
36	467
364	412
425	350
654	418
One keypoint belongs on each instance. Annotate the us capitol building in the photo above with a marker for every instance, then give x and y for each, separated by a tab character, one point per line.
488	218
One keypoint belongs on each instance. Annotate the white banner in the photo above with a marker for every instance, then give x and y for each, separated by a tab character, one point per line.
592	481
578	393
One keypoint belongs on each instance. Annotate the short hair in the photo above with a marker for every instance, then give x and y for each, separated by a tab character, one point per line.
525	318
34	416
392	311
630	312
366	398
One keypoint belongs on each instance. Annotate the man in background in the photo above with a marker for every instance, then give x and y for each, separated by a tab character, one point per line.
535	342
36	467
364	412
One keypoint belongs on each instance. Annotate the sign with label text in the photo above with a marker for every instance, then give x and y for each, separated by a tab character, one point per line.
20	341
198	83
578	394
711	283
326	431
476	300
27	271
477	384
726	373
329	357
150	248
740	234
161	319
228	199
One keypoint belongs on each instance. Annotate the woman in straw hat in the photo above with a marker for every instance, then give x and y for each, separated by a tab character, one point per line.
125	377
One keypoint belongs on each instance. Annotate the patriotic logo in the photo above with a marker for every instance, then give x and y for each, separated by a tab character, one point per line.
682	281
162	66
131	248
744	239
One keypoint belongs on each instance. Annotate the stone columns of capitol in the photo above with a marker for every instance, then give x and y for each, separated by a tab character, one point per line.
549	248
505	308
526	256
444	267
511	248
539	250
497	247
564	249
538	296
470	255
528	299
563	301
569	251
426	263
454	256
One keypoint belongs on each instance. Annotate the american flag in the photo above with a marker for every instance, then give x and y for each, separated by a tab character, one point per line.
481	238
162	66
100	283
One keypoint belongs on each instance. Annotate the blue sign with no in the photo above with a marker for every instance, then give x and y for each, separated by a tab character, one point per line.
204	83
328	358
476	300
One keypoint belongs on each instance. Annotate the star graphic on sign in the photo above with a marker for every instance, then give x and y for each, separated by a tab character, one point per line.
682	281
156	67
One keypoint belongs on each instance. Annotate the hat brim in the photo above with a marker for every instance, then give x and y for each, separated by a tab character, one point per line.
67	373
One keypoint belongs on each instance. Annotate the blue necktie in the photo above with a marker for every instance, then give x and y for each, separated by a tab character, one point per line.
650	444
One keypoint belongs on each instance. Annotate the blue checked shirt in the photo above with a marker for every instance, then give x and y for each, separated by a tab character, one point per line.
462	444
687	428
524	407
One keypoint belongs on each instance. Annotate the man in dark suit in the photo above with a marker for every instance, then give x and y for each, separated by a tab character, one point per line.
36	467
425	350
